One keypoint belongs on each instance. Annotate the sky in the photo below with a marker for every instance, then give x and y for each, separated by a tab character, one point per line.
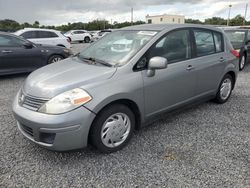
57	12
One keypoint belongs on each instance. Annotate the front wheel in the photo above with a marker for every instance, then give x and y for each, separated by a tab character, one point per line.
86	39
112	128
54	59
225	89
242	62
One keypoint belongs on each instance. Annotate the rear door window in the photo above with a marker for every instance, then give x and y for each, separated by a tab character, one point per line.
29	35
46	34
248	35
204	42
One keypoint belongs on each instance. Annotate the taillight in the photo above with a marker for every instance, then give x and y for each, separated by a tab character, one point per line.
69	39
235	53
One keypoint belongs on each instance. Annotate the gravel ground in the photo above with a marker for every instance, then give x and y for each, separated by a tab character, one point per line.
204	146
78	47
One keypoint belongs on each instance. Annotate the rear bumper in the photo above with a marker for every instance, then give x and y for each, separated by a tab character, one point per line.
62	132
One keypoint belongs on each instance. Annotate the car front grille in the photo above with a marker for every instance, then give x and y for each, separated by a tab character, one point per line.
31	103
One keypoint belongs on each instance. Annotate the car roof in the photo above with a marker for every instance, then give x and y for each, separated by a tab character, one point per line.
235	29
39	29
9	34
162	27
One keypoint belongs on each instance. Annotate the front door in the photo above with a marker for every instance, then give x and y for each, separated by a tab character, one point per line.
174	85
14	57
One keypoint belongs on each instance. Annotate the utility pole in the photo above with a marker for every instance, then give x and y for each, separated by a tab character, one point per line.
244	21
229	13
132	16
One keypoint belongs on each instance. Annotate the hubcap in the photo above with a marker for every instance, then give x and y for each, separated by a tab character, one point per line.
115	130
225	89
56	59
242	62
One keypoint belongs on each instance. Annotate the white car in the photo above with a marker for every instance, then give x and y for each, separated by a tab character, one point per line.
79	36
100	34
44	36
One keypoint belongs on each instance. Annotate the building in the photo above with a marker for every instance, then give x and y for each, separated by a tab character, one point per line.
165	18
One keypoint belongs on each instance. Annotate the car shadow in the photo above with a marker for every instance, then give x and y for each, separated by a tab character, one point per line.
14	76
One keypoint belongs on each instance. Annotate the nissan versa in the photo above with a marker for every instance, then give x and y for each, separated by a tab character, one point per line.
120	82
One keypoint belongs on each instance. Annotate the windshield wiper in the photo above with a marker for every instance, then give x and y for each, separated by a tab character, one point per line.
94	60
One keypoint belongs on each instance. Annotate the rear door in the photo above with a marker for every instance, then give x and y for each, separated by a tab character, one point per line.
210	60
174	85
248	45
47	37
16	58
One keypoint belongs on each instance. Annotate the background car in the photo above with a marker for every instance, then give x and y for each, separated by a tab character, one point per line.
240	39
18	55
44	36
78	36
101	34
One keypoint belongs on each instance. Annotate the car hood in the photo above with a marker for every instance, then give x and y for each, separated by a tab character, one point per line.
65	75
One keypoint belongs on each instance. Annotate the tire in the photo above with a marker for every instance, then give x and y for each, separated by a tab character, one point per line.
223	95
106	128
54	59
242	62
86	39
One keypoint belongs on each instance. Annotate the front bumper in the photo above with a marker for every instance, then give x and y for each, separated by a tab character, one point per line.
62	132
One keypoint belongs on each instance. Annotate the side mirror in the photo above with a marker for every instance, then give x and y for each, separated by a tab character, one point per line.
156	63
28	45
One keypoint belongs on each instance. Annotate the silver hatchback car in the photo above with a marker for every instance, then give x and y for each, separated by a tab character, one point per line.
122	81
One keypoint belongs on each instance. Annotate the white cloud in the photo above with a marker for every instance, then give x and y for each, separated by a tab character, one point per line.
50	12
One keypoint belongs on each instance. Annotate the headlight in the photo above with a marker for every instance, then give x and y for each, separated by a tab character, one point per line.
66	101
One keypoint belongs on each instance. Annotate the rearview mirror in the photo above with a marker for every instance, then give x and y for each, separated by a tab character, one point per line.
28	45
156	63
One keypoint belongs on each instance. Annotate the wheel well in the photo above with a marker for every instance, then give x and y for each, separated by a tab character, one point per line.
245	53
231	73
54	55
132	106
61	45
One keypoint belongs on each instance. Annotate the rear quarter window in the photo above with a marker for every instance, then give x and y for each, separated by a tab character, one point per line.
218	40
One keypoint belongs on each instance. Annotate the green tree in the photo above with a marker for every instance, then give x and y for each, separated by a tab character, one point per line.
193	21
215	21
237	21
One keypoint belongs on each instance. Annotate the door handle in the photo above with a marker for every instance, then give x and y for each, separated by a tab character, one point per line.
7	51
190	67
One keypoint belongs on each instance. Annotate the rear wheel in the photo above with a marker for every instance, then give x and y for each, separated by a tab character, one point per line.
242	62
225	89
112	128
54	59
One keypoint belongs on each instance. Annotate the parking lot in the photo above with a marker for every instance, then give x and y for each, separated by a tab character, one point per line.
207	145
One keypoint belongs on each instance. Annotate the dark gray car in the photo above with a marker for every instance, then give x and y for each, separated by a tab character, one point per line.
240	39
123	81
18	55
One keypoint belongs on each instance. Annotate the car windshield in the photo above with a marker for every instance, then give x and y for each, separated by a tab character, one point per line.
236	37
118	47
